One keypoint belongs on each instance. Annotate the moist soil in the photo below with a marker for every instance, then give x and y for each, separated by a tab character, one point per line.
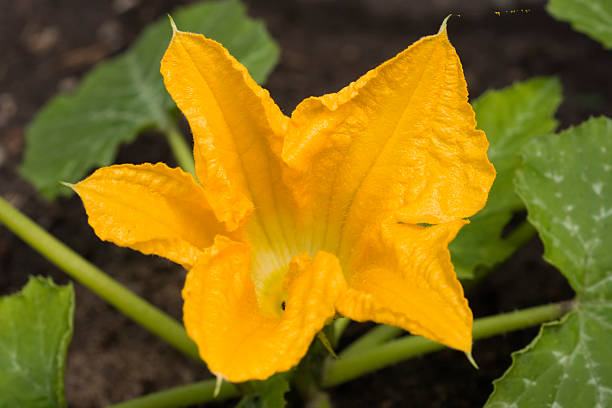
46	46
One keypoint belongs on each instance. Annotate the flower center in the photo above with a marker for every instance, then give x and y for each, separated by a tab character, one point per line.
269	281
273	245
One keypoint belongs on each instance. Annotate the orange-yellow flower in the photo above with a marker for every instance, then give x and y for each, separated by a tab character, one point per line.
346	206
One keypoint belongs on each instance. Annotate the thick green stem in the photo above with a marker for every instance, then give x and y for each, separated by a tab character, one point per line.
192	394
181	150
136	308
368	360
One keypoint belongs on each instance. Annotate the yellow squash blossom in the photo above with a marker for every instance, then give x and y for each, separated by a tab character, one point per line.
345	207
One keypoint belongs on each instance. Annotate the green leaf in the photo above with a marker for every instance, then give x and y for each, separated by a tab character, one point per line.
36	328
568	364
566	183
592	17
267	394
510	117
119	98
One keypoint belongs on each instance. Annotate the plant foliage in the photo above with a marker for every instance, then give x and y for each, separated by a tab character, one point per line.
510	117
119	98
36	328
566	183
591	17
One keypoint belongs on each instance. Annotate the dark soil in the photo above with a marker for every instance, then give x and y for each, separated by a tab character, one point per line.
46	46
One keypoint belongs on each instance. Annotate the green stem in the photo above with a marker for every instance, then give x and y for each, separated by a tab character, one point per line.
192	394
378	335
181	150
136	308
358	364
339	326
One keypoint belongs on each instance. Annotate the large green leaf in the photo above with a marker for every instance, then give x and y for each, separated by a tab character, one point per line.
119	98
510	117
592	17
566	183
36	328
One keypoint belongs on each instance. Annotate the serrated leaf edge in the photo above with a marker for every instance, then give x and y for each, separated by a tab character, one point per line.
518	353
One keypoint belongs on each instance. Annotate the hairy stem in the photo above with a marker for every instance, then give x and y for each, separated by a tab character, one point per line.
374	358
133	306
181	150
196	393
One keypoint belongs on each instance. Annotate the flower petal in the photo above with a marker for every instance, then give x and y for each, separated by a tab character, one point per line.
151	208
402	275
222	316
401	140
235	124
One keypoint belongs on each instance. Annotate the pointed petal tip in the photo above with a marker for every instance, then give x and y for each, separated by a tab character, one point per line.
218	384
69	185
470	358
172	24
443	25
